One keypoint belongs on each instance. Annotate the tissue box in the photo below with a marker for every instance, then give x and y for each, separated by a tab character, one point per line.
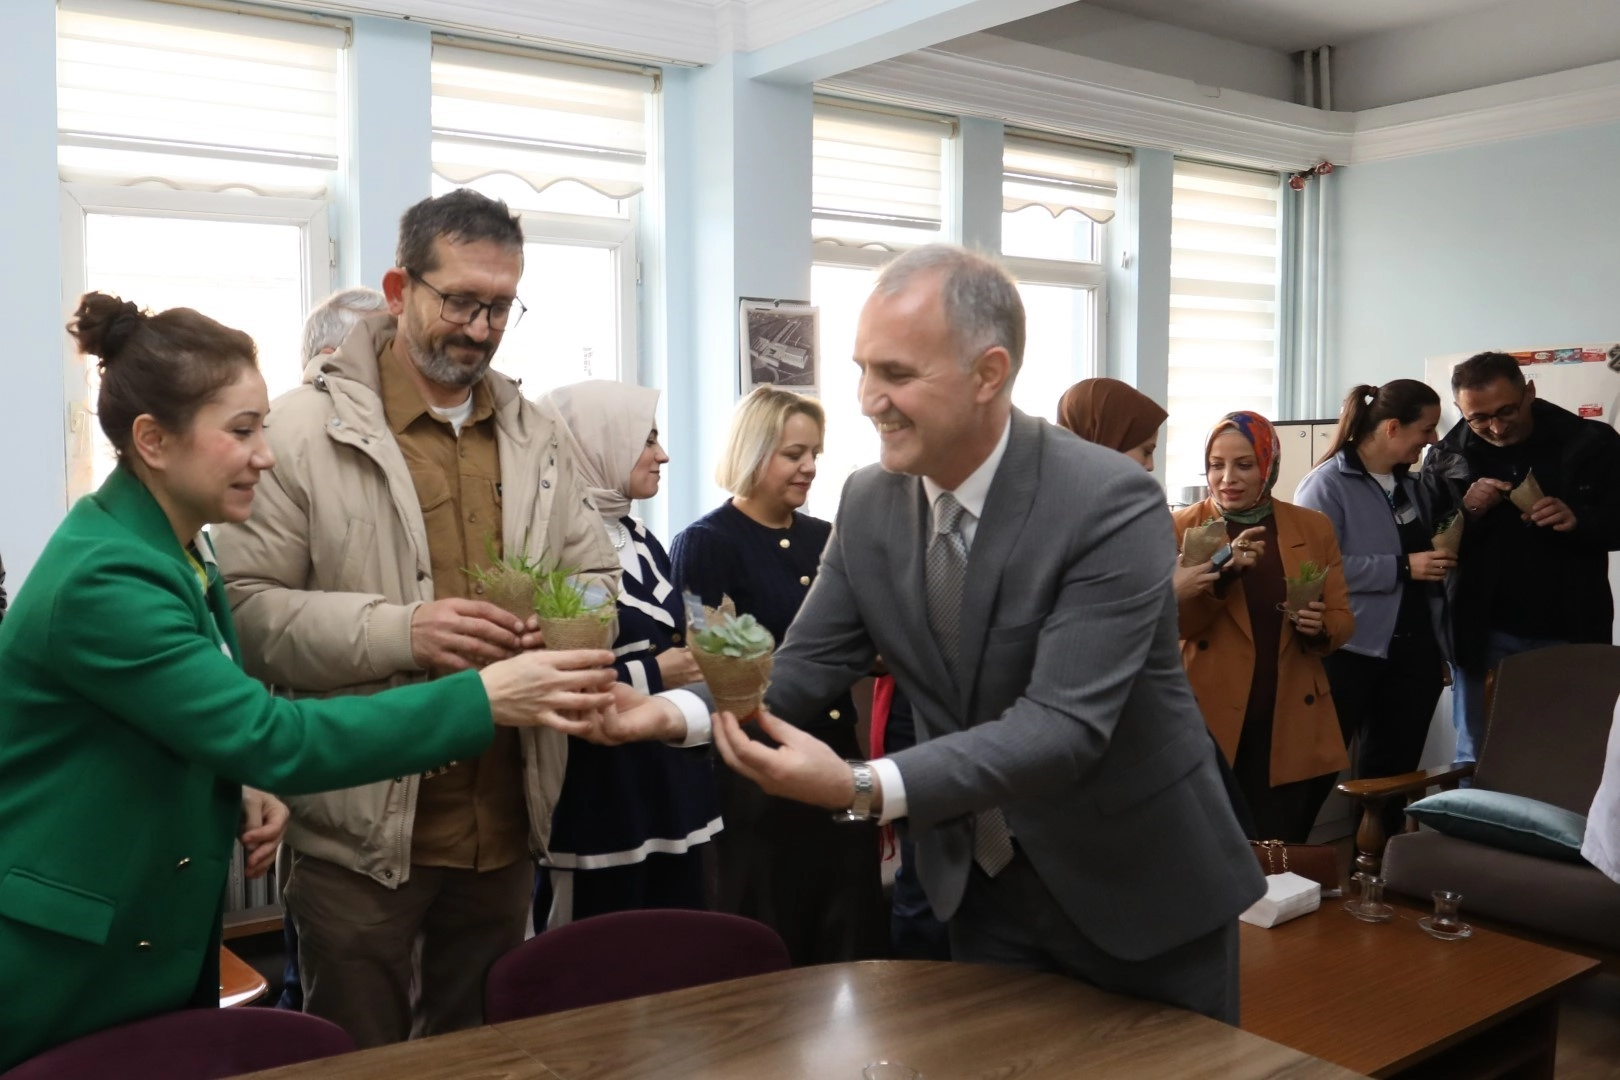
1288	896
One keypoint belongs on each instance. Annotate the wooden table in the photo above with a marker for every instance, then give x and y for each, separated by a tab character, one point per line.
947	1020
239	984
1387	1000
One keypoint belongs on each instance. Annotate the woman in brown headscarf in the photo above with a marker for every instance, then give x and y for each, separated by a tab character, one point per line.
1114	414
1119	416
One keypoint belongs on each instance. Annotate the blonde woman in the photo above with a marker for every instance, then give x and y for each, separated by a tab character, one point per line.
784	863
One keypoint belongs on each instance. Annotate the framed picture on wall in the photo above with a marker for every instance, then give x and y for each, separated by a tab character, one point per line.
779	342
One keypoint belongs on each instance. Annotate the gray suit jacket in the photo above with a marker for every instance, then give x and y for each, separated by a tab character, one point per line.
1071	710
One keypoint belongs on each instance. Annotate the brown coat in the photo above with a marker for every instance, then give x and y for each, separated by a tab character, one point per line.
1217	648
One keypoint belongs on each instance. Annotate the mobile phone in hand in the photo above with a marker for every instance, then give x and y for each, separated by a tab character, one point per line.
1219	560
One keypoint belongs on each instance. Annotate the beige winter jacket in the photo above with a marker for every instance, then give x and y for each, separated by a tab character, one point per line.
325	576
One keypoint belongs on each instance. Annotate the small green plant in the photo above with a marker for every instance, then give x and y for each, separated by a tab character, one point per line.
560	594
1308	572
1450	519
739	636
509	582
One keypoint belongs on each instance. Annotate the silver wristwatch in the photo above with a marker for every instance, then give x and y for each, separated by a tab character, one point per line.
865	788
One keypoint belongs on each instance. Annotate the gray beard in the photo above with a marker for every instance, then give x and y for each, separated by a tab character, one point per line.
437	367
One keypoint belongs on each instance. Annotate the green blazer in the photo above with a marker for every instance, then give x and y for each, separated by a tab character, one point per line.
127	728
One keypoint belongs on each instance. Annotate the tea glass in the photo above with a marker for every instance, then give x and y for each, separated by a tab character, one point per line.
1369	905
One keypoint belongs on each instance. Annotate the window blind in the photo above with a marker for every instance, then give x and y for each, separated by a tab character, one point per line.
1224	275
539	121
1059	177
875	170
197	98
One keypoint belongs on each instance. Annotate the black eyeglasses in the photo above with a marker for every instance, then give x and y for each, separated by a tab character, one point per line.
1505	415
460	310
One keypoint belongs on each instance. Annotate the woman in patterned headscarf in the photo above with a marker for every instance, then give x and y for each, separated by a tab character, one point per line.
1256	669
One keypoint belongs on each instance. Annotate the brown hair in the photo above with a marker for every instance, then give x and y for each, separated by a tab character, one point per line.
166	365
1367	406
1482	369
756	428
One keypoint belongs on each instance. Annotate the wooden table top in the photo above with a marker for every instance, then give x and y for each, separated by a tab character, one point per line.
946	1020
238	982
1377	997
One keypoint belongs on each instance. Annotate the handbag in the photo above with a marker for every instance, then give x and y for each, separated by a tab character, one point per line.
1318	862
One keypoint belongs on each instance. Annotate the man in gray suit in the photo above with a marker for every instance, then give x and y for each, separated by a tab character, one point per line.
1063	793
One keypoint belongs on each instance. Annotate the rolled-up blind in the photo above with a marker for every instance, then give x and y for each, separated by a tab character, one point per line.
1059	177
540	121
196	97
1224	279
878	168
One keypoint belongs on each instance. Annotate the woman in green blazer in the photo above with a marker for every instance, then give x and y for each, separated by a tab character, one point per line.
127	727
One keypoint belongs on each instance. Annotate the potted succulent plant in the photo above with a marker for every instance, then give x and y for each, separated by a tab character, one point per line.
734	653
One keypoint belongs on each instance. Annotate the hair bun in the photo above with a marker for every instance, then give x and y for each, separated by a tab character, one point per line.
104	324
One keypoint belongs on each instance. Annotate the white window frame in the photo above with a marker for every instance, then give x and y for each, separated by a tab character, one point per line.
80	200
1092	277
618	235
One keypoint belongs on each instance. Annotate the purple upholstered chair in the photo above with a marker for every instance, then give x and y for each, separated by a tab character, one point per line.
625	955
193	1044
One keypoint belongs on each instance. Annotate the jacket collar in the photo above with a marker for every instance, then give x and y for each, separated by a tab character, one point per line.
357	362
1348	460
127	501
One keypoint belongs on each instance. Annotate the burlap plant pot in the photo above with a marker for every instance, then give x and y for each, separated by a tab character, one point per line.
737	684
580	632
1449	539
508	589
1200	543
1527	494
1303	593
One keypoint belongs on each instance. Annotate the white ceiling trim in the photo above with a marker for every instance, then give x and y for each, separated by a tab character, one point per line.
1546	103
675	31
768	22
1156	111
1098	100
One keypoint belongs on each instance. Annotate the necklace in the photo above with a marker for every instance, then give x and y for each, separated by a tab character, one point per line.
621	536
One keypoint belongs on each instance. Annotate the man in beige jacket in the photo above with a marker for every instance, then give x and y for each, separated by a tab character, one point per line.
403	463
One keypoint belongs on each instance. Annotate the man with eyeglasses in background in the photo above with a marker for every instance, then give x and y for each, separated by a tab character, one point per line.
403	463
1523	580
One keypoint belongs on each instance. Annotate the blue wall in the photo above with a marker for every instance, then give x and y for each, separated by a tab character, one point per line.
1509	245
33	461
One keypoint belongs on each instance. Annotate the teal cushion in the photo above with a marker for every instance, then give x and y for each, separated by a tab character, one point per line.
1500	820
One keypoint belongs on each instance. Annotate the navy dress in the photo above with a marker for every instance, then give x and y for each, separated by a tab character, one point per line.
791	866
630	821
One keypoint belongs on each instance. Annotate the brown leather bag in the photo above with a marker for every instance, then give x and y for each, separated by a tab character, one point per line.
1318	862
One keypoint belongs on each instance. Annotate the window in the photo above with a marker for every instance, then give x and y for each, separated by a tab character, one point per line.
565	145
1223	305
878	188
1056	196
197	150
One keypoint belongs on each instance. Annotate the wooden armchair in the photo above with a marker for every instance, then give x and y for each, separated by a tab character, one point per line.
1548	716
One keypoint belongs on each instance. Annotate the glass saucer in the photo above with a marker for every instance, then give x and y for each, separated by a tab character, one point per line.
1378	912
1427	923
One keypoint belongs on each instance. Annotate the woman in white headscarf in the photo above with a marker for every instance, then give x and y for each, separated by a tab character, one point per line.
631	819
